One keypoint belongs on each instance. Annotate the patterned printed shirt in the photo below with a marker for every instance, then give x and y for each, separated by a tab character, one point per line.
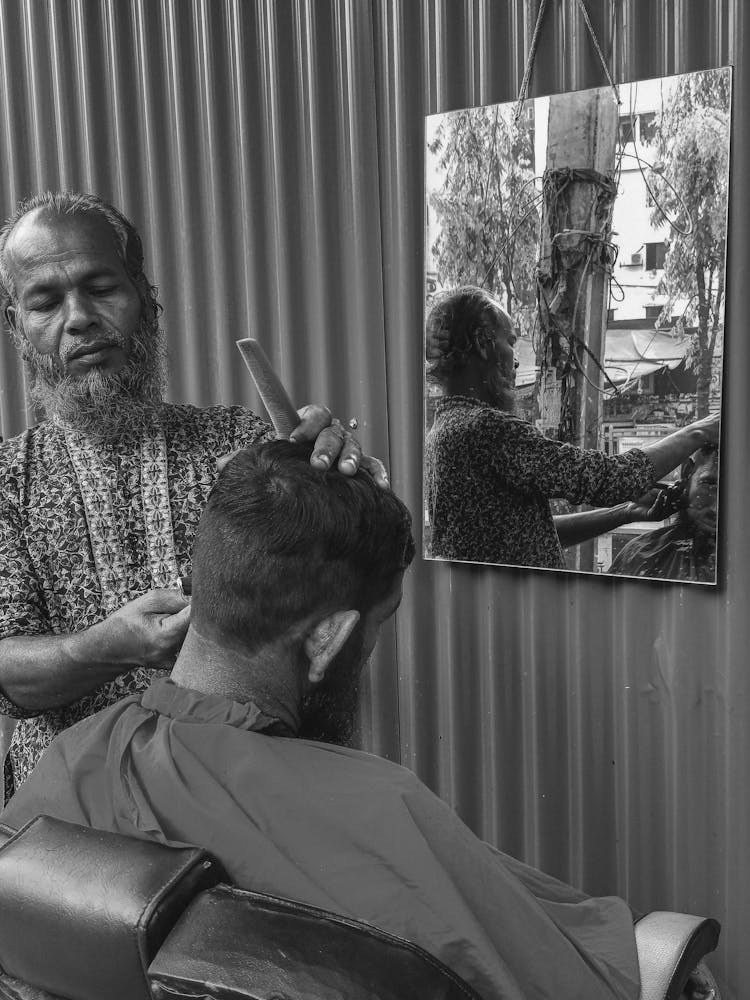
489	477
49	578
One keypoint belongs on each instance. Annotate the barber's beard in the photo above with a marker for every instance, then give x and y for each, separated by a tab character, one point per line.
330	711
105	406
502	390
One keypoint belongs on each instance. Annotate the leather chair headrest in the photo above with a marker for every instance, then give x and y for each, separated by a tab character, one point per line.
83	912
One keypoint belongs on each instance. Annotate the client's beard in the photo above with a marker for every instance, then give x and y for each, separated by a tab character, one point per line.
330	711
105	406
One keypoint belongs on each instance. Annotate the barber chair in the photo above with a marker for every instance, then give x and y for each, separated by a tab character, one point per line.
89	915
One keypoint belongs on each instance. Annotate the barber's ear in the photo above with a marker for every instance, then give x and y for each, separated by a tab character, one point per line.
10	317
483	344
325	640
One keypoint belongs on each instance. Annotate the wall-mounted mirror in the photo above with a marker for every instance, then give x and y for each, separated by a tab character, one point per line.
574	327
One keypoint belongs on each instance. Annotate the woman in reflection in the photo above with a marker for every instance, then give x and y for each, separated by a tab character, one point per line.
686	549
489	475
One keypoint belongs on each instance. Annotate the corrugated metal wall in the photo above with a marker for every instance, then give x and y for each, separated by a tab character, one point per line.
272	154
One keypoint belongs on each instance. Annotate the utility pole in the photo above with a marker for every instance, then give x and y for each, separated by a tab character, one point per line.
574	264
574	284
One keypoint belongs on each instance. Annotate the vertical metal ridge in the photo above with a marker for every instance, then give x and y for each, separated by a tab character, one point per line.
271	153
599	702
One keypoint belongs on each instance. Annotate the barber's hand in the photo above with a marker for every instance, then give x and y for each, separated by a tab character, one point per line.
334	443
148	630
709	426
652	506
699	985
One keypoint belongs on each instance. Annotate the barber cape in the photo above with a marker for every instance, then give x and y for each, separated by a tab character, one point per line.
675	552
335	828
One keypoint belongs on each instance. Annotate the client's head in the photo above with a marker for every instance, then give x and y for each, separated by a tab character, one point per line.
294	572
700	480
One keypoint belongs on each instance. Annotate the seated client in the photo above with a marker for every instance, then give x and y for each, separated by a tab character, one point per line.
244	749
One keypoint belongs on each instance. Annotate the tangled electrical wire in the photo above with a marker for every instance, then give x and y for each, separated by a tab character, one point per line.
567	258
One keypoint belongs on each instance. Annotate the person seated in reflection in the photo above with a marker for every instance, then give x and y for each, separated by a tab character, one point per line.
685	549
489	475
245	749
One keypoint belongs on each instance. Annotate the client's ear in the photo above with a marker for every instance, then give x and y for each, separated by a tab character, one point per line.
326	639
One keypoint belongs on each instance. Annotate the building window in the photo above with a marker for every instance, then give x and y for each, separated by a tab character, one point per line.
653	312
655	256
647	127
641	128
627	130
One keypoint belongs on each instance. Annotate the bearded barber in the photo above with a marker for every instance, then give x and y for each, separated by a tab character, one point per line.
100	501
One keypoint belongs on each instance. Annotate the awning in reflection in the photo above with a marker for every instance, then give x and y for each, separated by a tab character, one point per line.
630	354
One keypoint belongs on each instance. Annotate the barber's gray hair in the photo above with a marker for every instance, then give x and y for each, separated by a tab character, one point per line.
127	239
451	330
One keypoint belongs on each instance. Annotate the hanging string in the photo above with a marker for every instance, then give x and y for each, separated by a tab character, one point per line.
529	62
522	93
595	40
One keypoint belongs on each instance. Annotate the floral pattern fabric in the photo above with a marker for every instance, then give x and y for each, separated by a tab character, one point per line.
94	484
489	477
50	583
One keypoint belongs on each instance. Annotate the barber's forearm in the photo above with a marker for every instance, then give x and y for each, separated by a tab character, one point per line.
572	529
674	449
49	671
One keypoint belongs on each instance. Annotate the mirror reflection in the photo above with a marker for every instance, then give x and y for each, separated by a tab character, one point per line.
574	329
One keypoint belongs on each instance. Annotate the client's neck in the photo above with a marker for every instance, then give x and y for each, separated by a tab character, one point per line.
267	676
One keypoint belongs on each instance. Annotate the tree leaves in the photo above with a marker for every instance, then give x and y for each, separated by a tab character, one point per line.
487	207
692	136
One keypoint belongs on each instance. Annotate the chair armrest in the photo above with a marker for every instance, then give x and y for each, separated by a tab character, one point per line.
14	989
670	946
233	944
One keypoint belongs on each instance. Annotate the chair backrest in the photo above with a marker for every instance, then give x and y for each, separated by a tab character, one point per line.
83	912
87	915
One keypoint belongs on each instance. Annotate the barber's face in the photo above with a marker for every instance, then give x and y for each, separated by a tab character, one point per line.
499	322
329	713
75	303
502	362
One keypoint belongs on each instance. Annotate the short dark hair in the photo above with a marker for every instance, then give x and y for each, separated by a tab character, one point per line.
280	540
451	329
126	236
